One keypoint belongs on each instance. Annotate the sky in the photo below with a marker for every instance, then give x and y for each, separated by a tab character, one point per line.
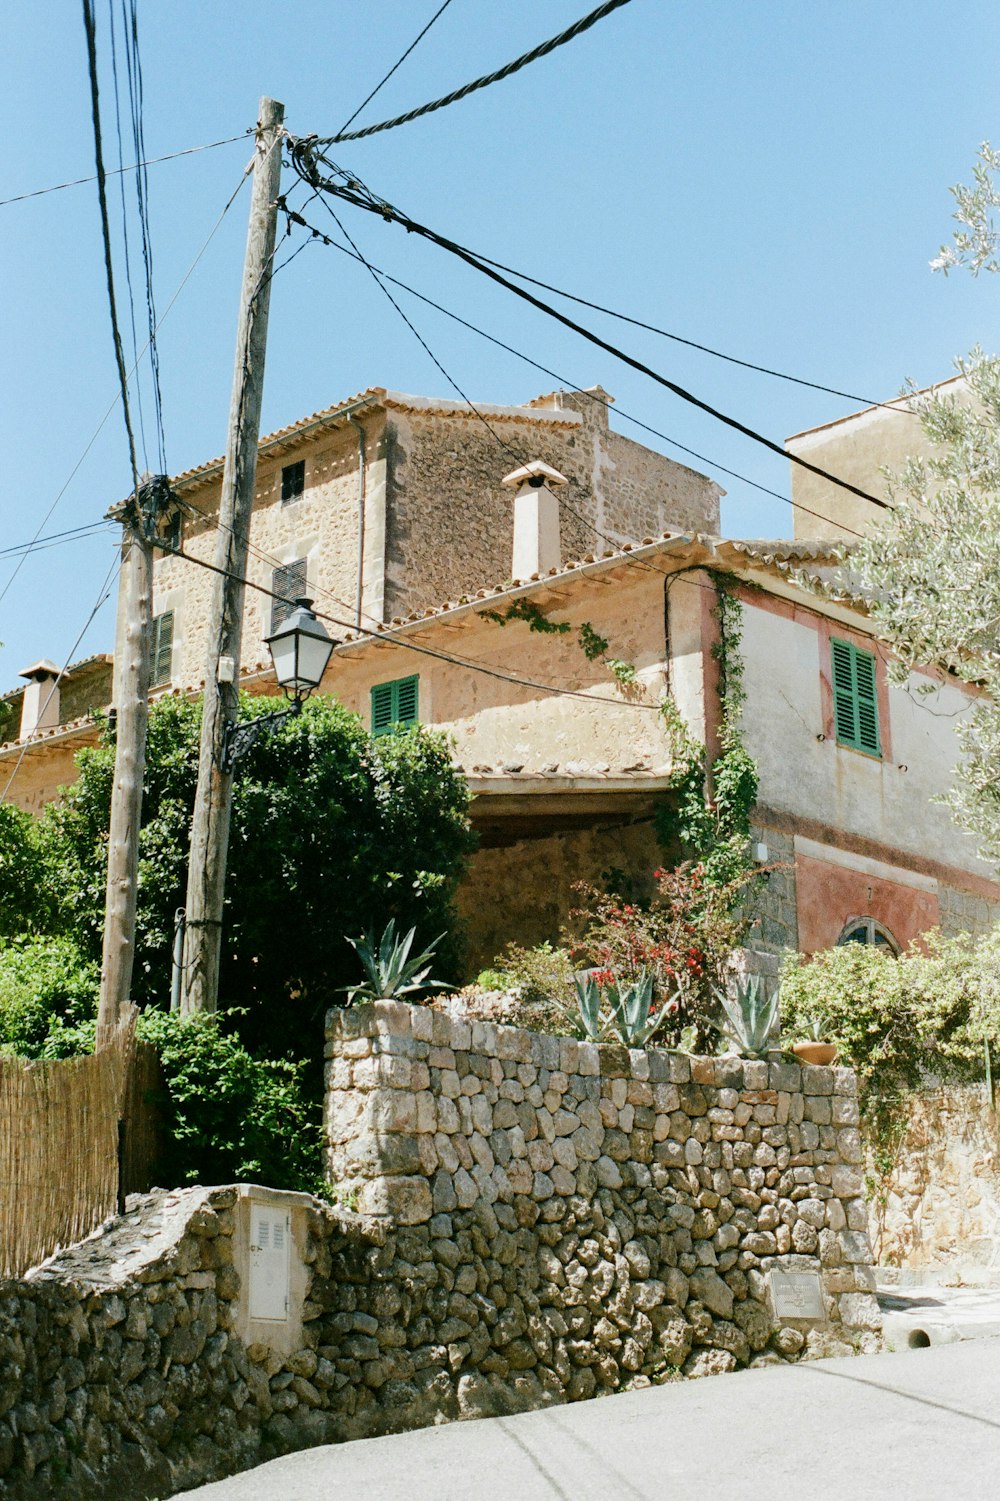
770	180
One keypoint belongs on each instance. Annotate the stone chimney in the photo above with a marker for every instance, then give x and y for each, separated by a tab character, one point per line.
536	519
40	705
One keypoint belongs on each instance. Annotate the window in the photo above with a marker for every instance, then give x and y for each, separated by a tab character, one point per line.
293	481
172	530
866	930
163	648
855	698
394	704
290	583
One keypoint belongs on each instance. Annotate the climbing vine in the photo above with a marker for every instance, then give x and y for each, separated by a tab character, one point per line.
709	814
593	645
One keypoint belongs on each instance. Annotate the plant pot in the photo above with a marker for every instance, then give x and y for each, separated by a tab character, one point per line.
814	1052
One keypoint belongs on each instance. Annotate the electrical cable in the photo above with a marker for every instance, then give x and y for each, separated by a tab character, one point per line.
90	27
55	539
355	193
154	161
396	640
116	398
396	65
125	234
543	50
564	381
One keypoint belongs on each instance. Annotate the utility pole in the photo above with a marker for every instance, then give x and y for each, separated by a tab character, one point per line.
133	670
214	796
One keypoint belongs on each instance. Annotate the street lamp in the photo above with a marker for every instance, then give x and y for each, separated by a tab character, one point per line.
300	650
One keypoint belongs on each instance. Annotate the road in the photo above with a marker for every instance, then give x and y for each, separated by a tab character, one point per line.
923	1425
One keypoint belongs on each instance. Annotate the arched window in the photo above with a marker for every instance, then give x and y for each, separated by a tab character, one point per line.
867	930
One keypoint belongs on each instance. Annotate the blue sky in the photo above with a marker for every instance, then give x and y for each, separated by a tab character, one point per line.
769	179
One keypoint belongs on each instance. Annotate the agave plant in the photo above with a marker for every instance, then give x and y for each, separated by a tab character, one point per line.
630	1005
588	999
750	1015
391	973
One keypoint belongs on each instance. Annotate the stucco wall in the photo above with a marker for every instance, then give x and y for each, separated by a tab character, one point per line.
806	774
856	450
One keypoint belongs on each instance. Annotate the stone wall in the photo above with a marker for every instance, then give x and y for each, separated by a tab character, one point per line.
541	1221
940	1210
600	1216
965	911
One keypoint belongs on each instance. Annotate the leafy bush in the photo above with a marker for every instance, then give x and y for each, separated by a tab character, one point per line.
24	905
230	1116
42	981
226	1115
684	937
332	833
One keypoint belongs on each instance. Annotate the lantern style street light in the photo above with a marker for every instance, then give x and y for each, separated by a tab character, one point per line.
300	649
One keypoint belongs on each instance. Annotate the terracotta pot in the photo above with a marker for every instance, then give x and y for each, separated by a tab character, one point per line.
814	1052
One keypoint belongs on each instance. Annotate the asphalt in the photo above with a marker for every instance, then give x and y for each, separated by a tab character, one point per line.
919	1425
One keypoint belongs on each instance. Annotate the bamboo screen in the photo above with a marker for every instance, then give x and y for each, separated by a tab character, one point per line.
59	1148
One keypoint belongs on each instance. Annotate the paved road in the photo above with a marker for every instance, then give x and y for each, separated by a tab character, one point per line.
920	1425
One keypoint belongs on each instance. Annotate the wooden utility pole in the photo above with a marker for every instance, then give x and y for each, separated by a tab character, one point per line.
133	670
213	799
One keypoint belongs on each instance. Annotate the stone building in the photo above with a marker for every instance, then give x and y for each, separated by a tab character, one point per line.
398	516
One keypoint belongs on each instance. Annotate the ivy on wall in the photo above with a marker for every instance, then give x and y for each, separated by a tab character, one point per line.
709	813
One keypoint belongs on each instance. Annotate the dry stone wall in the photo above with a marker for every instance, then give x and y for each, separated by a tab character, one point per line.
525	1220
643	1200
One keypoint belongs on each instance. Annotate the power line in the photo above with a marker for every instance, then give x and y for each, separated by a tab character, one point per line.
55	539
571	32
354	192
116	398
153	161
382	82
429	651
355	255
665	333
90	26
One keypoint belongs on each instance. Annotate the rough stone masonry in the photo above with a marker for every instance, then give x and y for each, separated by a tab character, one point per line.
540	1221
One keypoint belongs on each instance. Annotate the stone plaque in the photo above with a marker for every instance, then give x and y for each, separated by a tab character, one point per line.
797	1295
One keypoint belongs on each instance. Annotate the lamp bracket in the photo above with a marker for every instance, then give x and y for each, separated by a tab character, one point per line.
239	737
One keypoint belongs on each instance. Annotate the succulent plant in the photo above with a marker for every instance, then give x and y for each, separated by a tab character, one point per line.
391	973
751	1015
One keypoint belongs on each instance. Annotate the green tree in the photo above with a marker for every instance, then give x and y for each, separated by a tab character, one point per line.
332	834
24	907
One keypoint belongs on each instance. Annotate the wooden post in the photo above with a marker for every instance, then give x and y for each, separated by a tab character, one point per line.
132	678
213	799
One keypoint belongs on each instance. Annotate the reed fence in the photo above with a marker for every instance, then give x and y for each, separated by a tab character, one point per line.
75	1134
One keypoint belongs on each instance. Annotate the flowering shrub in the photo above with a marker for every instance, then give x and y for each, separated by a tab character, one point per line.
684	938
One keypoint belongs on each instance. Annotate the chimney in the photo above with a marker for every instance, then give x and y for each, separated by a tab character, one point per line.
40	704
536	519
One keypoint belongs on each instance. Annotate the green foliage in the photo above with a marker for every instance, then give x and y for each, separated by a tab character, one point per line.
709	812
898	1022
751	1016
231	1116
539	984
624	673
331	832
592	645
43	980
24	903
588	1000
684	938
524	609
390	973
630	1003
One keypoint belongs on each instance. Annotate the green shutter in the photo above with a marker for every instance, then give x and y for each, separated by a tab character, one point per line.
394	703
163	644
855	697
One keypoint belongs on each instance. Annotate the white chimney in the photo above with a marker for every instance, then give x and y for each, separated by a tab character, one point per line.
536	519
40	704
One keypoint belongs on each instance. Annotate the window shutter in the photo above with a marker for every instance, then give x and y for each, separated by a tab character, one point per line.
855	697
406	707
864	678
163	644
394	703
290	582
381	708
